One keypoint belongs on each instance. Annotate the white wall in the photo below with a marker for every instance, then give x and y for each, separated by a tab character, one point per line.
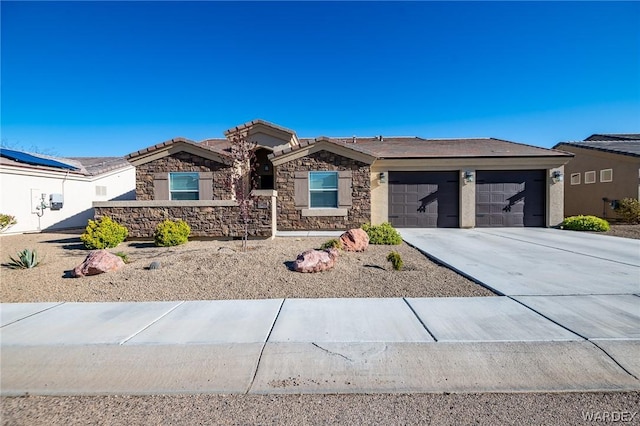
18	184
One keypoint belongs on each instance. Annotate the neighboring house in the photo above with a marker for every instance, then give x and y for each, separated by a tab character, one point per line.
604	170
339	183
76	182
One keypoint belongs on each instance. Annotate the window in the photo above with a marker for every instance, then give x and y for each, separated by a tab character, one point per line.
606	175
323	190
590	177
101	191
575	178
183	186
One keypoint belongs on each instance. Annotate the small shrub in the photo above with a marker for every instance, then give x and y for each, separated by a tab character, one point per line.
171	233
6	221
384	234
585	223
103	233
629	210
124	256
396	260
27	259
333	243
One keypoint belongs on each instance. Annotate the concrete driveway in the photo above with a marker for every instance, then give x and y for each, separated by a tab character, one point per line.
535	261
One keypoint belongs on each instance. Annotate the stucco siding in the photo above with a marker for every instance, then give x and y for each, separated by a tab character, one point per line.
587	198
18	185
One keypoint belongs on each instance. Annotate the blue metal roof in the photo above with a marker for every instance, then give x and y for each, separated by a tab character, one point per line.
23	157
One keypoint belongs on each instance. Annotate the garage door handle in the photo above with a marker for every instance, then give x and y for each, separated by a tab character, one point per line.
393	217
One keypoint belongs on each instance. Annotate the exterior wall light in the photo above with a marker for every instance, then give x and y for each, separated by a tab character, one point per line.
557	176
383	177
468	176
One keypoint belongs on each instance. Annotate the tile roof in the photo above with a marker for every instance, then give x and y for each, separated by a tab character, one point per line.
97	165
623	147
84	166
613	137
158	146
251	123
415	147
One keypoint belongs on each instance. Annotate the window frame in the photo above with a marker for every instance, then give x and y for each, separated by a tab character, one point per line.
324	190
184	191
606	170
575	181
589	173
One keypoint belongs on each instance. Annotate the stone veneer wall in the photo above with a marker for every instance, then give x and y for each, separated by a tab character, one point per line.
290	218
182	162
206	219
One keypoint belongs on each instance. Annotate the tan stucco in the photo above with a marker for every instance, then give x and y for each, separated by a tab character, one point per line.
586	199
555	197
467	214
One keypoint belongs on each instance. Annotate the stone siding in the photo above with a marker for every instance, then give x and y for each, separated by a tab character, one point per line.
221	221
182	162
290	218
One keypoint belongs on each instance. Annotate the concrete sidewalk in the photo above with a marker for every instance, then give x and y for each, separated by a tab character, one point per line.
491	344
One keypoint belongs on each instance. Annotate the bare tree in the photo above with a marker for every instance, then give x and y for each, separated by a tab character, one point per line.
241	179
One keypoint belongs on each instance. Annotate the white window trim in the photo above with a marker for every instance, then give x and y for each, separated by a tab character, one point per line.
328	210
589	173
606	170
575	175
197	191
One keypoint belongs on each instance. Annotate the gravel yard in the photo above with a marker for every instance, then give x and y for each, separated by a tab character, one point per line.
213	270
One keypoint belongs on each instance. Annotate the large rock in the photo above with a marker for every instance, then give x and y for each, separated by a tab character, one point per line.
98	262
354	240
315	260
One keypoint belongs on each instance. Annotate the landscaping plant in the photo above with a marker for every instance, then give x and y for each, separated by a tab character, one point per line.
333	243
629	210
171	233
240	181
384	234
6	221
103	233
585	223
27	259
396	260
122	255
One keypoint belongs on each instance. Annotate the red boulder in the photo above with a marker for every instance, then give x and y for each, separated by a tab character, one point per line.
97	262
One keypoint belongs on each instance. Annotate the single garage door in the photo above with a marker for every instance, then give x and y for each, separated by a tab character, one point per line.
423	199
510	198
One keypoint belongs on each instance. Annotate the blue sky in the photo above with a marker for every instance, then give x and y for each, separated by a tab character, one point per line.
109	78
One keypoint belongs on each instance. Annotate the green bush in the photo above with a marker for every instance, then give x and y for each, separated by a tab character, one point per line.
171	233
6	220
27	259
384	234
333	243
629	210
396	260
103	233
585	223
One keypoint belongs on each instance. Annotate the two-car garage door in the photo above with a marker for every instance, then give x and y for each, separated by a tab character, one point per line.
431	199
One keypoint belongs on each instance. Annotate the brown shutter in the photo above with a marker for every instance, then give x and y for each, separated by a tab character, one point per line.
344	188
205	185
161	186
301	189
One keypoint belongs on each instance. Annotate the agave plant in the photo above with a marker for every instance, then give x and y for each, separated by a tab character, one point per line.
26	259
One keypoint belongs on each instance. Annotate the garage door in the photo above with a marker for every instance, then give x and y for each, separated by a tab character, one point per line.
423	199
510	198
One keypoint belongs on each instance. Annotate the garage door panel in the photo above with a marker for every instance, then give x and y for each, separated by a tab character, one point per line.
423	199
510	198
